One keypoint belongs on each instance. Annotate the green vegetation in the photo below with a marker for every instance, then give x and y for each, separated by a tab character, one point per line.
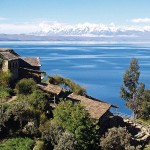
4	91
131	90
17	144
66	142
67	125
26	86
5	78
68	84
39	145
145	106
116	139
75	119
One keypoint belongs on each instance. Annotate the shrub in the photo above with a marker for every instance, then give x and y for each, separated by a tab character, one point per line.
4	91
5	78
57	137
66	142
38	100
55	133
116	139
39	145
26	86
17	144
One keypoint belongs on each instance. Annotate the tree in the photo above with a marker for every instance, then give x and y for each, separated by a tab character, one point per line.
67	84
75	119
116	139
131	90
145	107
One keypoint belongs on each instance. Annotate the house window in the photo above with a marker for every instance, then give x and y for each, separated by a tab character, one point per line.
13	65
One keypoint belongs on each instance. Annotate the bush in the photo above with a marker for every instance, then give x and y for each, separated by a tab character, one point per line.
39	145
55	133
17	144
66	142
5	78
57	137
4	92
116	139
26	86
38	100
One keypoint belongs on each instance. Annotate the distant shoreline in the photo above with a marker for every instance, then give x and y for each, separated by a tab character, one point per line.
77	38
67	42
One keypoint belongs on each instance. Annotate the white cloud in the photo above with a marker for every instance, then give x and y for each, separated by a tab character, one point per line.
2	18
141	20
18	28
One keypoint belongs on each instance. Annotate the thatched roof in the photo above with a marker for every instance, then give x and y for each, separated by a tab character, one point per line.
95	108
30	61
8	54
50	88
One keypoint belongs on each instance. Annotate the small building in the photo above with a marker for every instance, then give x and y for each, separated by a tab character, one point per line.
30	68
20	67
10	61
96	108
55	91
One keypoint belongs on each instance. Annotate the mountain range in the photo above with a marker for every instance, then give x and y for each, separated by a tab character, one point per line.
83	32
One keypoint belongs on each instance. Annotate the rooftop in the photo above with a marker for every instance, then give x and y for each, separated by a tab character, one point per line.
8	54
50	88
95	107
32	61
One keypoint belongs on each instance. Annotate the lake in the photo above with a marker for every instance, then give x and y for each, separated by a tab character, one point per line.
97	66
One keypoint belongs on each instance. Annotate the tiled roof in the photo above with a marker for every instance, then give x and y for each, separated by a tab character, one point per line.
50	88
8	54
95	108
30	61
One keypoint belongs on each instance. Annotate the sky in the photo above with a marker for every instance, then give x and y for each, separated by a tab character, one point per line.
18	16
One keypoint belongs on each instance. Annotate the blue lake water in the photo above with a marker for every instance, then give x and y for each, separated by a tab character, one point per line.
96	66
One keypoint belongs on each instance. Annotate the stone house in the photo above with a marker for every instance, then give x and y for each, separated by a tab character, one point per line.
30	68
10	61
20	67
97	109
54	91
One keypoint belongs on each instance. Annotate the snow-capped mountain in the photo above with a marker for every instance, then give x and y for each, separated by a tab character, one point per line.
79	32
91	30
